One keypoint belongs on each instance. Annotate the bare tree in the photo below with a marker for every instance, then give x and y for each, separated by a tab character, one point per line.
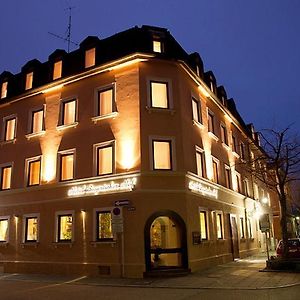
275	160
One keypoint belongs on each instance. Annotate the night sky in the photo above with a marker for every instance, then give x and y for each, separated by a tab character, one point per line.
253	47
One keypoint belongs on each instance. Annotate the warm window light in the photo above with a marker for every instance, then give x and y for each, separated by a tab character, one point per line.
90	57
105	160
105	102
10	128
3	230
162	155
157	46
4	90
159	94
57	70
37	121
69	112
29	80
6	178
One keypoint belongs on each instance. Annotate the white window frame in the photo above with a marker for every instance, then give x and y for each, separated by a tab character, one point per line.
4	87
5	120
219	212
24	229
27	163
199	112
95	157
155	46
95	230
203	163
2	166
30	133
59	167
204	209
61	125
64	213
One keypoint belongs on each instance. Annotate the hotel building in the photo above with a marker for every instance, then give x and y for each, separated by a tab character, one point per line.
124	158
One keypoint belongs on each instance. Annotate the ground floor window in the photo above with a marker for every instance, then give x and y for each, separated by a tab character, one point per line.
203	225
3	230
219	226
104	225
31	229
65	227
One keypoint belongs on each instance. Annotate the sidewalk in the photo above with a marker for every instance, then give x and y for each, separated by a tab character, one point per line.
241	274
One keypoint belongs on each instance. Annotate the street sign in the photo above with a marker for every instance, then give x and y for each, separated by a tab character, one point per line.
122	203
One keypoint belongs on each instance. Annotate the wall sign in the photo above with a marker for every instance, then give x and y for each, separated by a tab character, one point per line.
126	185
205	190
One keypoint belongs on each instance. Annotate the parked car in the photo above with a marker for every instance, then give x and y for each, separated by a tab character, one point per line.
294	248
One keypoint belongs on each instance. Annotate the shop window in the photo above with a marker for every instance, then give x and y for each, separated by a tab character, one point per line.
10	129
37	124
68	112
34	171
203	225
57	70
215	165
157	46
31	229
242	231
224	134
106	102
105	159
29	80
196	107
4	90
227	177
4	229
200	161
104	225
159	94
162	157
66	166
219	226
65	228
90	56
6	173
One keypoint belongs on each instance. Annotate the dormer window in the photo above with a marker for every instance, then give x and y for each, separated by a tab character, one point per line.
29	79
4	90
90	57
57	70
212	86
157	46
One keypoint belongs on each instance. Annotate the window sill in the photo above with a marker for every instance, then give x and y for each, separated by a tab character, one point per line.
35	134
30	244
198	124
9	142
213	136
4	244
62	244
235	154
160	110
225	146
104	117
64	127
104	242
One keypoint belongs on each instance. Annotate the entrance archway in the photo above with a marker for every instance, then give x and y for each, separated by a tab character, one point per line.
165	241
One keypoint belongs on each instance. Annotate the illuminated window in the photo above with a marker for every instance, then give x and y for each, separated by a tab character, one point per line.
10	129
6	177
227	177
159	94
31	229
162	159
4	90
215	164
234	145
3	230
157	46
105	159
224	134
250	233
90	57
65	228
242	150
200	162
68	112
196	110
211	126
66	166
203	225
29	80
242	231
37	121
219	226
238	182
57	70
104	225
34	172
106	103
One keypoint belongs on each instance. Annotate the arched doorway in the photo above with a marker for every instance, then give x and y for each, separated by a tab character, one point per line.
165	242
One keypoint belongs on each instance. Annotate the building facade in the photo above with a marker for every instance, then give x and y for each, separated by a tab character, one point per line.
124	158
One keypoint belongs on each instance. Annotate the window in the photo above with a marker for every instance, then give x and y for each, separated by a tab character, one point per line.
211	127
57	70
227	177
65	228
215	165
10	129
4	90
31	229
159	94
224	134
256	193
238	182
4	229
66	166
250	228
104	225
6	173
90	57
196	110
212	88
105	159
246	187
200	162
242	150
219	226
106	103
29	80
34	171
203	225
37	124
162	159
234	146
68	112
157	46
242	232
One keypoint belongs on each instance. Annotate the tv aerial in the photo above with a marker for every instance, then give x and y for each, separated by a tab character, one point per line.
67	37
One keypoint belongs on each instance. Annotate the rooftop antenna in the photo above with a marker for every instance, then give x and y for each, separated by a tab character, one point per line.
68	32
